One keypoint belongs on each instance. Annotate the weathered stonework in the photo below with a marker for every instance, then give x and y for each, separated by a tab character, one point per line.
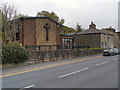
107	39
92	40
118	40
115	36
49	56
41	32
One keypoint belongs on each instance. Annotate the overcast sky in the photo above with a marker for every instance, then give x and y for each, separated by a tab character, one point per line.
103	13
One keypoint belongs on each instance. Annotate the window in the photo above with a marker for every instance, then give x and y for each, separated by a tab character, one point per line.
103	45
17	33
67	43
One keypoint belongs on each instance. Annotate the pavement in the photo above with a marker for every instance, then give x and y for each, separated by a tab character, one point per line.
21	68
84	72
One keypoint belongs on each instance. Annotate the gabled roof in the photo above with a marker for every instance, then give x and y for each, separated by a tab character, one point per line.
92	30
24	18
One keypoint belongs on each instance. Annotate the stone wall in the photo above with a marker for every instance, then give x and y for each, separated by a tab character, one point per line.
41	32
92	40
107	41
115	36
49	56
119	41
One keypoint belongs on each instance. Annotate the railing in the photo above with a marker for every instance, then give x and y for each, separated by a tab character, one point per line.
53	47
42	47
80	47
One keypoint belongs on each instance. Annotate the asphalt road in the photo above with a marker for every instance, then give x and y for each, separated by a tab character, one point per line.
88	72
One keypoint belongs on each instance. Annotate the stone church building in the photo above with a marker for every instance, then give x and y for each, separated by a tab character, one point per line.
36	31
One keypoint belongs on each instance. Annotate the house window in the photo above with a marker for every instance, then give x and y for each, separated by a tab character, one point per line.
67	43
103	45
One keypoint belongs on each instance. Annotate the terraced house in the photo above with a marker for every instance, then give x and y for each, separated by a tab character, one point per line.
115	35
94	38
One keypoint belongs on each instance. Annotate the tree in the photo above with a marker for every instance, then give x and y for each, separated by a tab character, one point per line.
9	16
79	28
66	29
21	15
51	15
0	20
0	26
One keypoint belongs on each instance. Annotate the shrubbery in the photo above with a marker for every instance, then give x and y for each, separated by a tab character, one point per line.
14	53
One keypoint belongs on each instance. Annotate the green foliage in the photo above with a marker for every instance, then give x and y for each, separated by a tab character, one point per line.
62	21
3	37
78	28
14	53
51	15
4	19
66	29
0	20
97	48
21	15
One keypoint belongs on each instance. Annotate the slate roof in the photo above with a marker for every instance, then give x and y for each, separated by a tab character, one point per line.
24	18
68	34
87	31
91	31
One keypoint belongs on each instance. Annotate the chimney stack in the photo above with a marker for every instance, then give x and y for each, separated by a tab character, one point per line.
92	25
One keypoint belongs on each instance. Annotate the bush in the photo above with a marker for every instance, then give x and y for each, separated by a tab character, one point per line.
14	53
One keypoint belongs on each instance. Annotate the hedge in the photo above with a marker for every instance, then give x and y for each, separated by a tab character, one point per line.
97	48
14	53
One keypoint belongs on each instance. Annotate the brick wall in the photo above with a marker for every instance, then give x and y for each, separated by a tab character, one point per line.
20	30
32	32
28	26
58	35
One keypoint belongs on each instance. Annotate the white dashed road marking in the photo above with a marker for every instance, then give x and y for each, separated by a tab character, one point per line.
72	73
106	62
115	59
102	63
29	86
